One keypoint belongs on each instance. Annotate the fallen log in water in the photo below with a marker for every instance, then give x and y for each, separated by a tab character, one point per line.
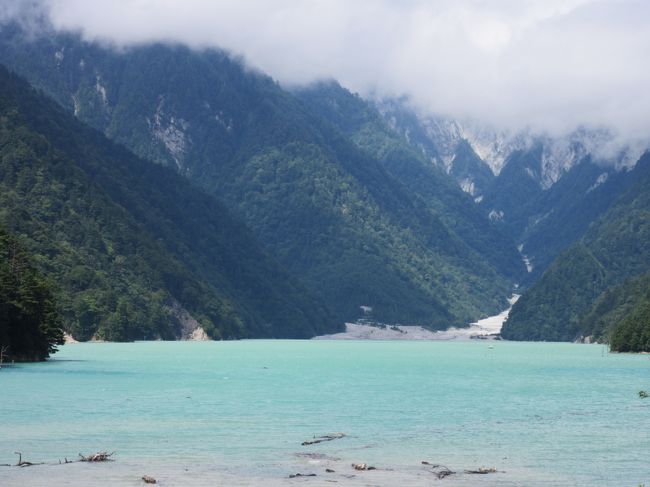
294	475
321	439
362	466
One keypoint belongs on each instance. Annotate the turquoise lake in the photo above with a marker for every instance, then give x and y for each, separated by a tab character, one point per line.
236	413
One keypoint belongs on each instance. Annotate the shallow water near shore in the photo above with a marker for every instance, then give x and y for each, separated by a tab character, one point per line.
236	413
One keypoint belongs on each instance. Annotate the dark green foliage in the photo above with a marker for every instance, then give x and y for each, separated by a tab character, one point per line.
614	306
30	323
348	220
633	333
131	243
615	248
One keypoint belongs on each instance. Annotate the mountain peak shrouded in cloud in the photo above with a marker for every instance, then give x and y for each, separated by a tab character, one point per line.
548	65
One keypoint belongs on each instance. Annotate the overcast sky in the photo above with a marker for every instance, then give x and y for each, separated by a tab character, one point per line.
548	64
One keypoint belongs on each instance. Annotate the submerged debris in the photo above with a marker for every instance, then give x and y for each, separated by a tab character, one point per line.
362	466
149	480
441	474
294	475
316	456
97	457
438	470
482	470
643	394
321	439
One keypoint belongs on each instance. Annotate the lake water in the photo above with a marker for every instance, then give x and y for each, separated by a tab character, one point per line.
236	413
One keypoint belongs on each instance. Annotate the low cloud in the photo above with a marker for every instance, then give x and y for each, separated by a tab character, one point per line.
549	65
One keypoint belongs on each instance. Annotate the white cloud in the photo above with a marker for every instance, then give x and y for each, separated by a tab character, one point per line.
552	65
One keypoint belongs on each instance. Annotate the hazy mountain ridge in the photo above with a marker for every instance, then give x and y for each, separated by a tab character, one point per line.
438	137
543	191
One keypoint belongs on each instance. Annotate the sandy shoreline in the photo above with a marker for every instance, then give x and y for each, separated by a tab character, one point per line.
125	472
482	328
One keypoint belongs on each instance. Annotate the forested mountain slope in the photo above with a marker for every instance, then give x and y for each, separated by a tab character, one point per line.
351	226
135	250
365	127
616	247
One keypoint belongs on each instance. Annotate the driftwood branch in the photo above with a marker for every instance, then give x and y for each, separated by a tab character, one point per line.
24	463
294	475
95	457
482	470
321	439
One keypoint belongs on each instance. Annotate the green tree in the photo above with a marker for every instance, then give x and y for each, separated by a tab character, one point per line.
30	323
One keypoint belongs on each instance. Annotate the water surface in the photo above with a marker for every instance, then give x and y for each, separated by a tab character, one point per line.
191	413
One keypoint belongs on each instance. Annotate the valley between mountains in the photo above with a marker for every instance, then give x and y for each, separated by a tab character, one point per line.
157	189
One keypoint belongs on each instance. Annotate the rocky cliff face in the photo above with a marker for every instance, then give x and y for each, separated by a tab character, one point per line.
442	138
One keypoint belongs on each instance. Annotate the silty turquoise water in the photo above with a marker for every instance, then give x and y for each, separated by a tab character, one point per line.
545	414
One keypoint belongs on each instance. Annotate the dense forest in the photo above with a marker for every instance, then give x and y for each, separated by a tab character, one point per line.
137	252
30	322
